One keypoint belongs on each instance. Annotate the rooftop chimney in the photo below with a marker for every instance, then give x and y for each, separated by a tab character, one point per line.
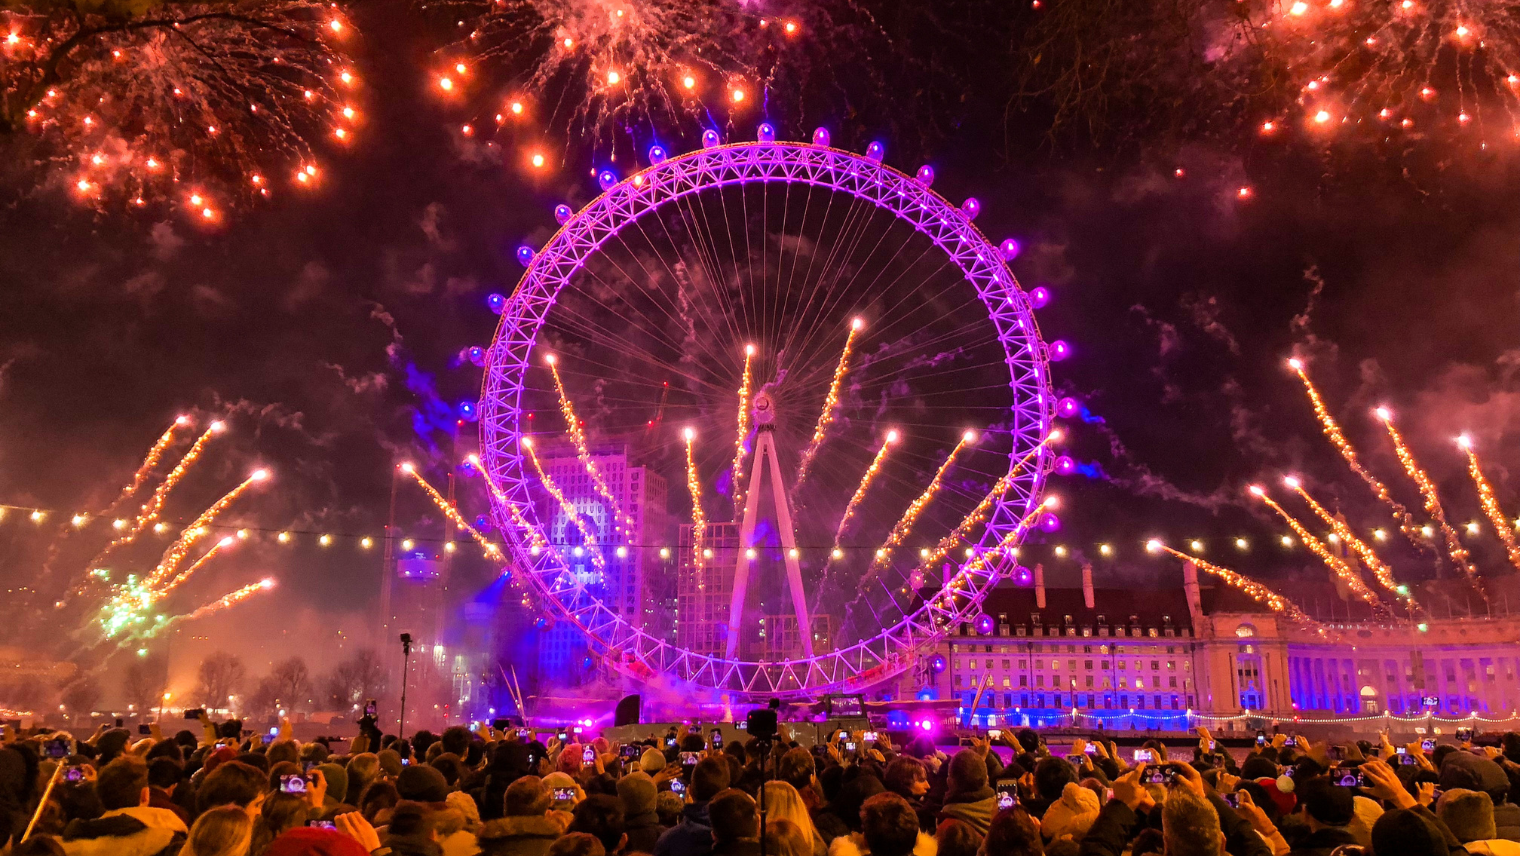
1190	589
1087	587
1039	586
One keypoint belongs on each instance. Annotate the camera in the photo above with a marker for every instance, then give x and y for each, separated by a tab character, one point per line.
292	784
678	787
145	730
1164	774
588	755
689	759
193	714
761	724
58	748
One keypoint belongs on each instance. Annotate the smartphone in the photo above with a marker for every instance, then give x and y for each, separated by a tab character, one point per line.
1213	745
1232	799
966	741
306	767
120	722
1261	738
57	749
1290	740
1464	735
588	755
577	729
266	739
532	760
1144	756
73	773
1090	749
630	751
370	707
564	794
292	784
145	730
524	734
1007	793
1334	753
321	824
1407	759
1006	801
194	714
1349	777
689	759
1164	774
872	738
993	733
717	739
564	736
841	735
678	787
849	746
1428	744
406	762
1218	761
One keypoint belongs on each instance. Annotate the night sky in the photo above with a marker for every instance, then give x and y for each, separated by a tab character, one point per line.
327	325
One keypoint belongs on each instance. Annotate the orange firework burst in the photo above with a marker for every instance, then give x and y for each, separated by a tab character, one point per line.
535	538
1490	503
904	524
979	514
830	404
155	455
1347	574
1003	547
1255	590
574	516
698	518
860	490
449	510
583	451
1401	515
1459	555
744	392
155	504
174	582
197	530
1377	566
228	600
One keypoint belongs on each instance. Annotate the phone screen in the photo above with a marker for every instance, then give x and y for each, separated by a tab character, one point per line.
1464	735
73	773
1349	777
717	739
678	787
1144	756
1428	744
561	794
994	733
871	737
266	739
1233	800
689	759
1261	738
370	707
293	784
589	754
58	748
1290	740
321	824
1007	793
1161	775
849	746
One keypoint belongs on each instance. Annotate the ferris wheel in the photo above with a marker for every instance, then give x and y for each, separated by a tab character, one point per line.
767	418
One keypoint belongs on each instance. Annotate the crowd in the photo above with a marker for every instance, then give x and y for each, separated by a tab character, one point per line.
507	792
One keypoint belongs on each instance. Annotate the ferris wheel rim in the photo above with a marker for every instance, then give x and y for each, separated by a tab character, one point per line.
583	234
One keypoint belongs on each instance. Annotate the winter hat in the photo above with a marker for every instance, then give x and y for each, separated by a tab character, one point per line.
1284	800
637	791
1073	814
337	782
1367	813
1468	814
1467	771
218	758
570	759
390	762
968	772
1329	804
310	841
422	783
1257	767
1406	832
652	761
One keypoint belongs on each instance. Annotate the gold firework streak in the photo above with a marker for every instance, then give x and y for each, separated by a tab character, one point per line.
226	601
744	392
1352	580
979	514
1401	515
1009	542
155	455
583	451
197	530
492	551
1459	555
904	525
1376	565
860	490
698	518
174	582
1255	590
534	536
1490	503
830	404
155	504
587	538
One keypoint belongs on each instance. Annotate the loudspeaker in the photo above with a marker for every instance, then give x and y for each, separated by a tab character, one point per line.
627	712
760	724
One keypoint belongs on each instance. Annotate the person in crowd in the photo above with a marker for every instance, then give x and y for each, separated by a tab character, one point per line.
164	777
968	796
129	827
222	831
783	802
1071	815
528	826
1470	817
735	823
785	838
888	827
957	838
1328	811
641	821
909	778
693	836
602	816
1013	833
577	844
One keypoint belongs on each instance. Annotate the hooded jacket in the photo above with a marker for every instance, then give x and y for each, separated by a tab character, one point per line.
854	844
975	808
691	837
1073	814
519	836
135	831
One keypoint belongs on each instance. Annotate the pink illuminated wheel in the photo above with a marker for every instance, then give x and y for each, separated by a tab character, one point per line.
745	268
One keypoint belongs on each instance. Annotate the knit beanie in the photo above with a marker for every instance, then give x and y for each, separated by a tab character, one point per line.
337	782
1406	832
652	761
390	762
1073	814
968	772
422	783
637	791
1468	814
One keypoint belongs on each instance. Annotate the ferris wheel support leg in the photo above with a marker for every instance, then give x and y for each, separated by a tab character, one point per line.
765	457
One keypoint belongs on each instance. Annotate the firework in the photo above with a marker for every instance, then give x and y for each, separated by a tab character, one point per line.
198	529
904	524
588	537
601	64
979	513
583	451
155	503
1255	590
226	601
830	404
1377	566
698	519
1347	574
860	490
1459	555
1490	503
492	551
154	455
1009	543
518	519
175	581
188	105
1401	515
739	443
1401	67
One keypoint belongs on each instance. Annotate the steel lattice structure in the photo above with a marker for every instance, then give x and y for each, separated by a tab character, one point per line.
629	648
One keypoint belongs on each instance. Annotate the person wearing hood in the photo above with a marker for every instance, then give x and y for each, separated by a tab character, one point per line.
129	827
1470	817
693	836
640	820
1466	771
968	797
411	831
527	827
1071	815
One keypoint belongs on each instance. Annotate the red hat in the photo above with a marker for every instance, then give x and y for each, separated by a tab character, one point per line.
217	758
310	841
1285	799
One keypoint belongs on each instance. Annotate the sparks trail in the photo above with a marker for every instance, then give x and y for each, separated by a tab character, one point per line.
150	462
1490	503
450	511
155	504
519	520
1347	574
979	513
583	451
826	417
860	490
1459	554
175	582
1401	515
904	525
1379	569
588	537
739	447
698	518
226	601
197	530
1255	590
182	105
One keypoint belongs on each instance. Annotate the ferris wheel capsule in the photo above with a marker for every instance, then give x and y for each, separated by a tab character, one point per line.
820	136
1039	296
925	175
562	214
496	303
657	154
606	179
767	133
710	138
525	255
971	207
1010	248
876	151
